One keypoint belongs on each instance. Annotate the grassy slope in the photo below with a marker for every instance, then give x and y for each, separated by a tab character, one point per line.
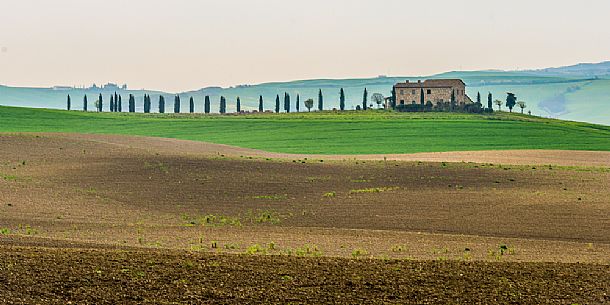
329	133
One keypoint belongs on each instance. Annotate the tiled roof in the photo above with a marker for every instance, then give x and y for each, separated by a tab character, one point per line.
432	83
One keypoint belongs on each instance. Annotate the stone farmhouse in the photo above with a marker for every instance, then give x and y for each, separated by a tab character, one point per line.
431	92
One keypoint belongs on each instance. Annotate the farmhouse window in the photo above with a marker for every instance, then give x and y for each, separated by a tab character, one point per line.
402	92
412	91
429	91
402	102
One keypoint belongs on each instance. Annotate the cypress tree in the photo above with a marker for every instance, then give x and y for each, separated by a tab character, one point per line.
69	103
206	106
287	102
100	105
260	104
298	102
120	108
85	103
116	101
111	103
422	97
277	104
341	99
147	103
161	104
511	101
365	98
192	105
393	99
489	101
223	105
238	105
177	104
479	97
131	103
320	101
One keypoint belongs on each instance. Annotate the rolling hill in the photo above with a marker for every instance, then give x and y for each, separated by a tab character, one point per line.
350	132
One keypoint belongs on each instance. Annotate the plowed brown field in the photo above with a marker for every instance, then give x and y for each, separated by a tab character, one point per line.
386	231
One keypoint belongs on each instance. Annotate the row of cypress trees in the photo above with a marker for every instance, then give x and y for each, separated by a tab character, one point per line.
116	103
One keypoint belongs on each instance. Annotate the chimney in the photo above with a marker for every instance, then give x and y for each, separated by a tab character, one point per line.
419	81
407	81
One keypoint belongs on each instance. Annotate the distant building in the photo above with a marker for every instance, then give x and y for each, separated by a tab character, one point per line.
111	86
435	91
62	88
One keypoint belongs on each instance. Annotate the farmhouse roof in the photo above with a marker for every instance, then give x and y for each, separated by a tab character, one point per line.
432	83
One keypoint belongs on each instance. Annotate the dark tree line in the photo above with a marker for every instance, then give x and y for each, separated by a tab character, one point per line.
115	103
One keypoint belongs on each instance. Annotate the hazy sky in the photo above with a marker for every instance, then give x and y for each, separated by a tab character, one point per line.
188	44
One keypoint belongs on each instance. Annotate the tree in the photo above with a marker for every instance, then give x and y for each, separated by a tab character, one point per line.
116	101
341	99
522	106
377	98
69	103
499	103
393	99
238	105
511	100
132	103
365	98
85	103
161	104
120	108
111	103
309	104
286	102
191	105
100	104
277	104
223	105
479	97
260	104
177	104
206	106
320	101
298	102
490	101
422	97
146	104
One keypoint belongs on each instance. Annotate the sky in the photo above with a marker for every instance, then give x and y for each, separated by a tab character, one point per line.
185	45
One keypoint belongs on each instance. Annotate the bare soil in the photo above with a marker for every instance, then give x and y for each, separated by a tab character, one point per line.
70	276
73	205
514	157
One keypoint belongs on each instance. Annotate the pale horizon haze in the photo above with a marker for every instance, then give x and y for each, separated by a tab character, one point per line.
187	44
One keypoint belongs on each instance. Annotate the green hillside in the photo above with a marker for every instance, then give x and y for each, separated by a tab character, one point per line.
370	132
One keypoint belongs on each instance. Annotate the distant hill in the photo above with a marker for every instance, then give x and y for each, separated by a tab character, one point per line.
601	69
580	92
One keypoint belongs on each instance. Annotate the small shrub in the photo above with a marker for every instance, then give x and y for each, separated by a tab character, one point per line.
255	249
399	248
330	195
357	253
308	250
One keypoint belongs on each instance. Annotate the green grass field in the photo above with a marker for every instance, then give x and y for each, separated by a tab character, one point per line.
349	132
